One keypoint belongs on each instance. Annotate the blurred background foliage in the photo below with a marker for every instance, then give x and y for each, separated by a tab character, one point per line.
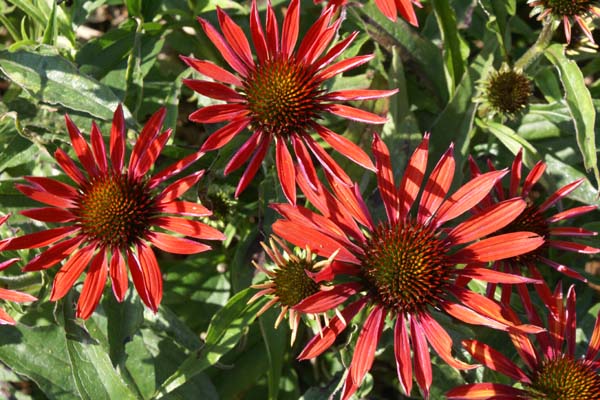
83	57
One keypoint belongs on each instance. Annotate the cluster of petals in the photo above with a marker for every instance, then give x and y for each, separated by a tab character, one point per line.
343	224
546	9
311	64
541	220
556	344
71	242
8	294
389	8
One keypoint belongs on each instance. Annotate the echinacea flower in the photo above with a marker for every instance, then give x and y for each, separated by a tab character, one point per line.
566	11
406	266
552	371
293	279
506	91
279	96
8	294
389	8
540	219
109	215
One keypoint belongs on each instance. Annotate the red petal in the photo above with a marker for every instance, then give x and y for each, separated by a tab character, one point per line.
407	11
15	296
423	373
495	360
253	165
93	286
151	275
413	177
179	187
258	36
572	246
467	196
148	135
98	148
285	170
571	231
328	163
437	186
54	187
289	33
224	135
272	31
357	94
343	66
469	316
176	245
492	219
244	152
345	147
69	167
81	148
559	194
117	139
495	248
515	174
402	355
44	197
149	156
219	42
70	272
483	391
319	243
326	300
53	255
118	275
313	38
321	342
214	90
212	71
189	227
7	263
490	275
336	50
534	175
594	344
235	37
364	352
571	321
355	114
439	339
174	169
219	113
6	319
385	179
388	8
185	208
39	239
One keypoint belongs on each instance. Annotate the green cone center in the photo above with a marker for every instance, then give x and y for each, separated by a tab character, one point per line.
405	267
292	284
115	210
508	91
566	379
282	96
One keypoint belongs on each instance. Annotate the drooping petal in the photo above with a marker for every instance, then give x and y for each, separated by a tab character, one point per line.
319	343
437	186
195	229
176	245
402	354
39	239
364	351
407	11
572	246
151	274
492	219
345	147
117	139
423	373
328	163
439	339
118	275
483	391
83	151
93	286
355	114
326	300
244	152
16	296
413	177
212	71
495	248
53	255
218	113
495	360
285	170
388	8
253	165
385	179
70	272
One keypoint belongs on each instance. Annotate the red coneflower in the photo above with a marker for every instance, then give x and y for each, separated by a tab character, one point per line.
109	214
389	8
293	279
565	11
406	265
7	294
280	95
537	218
553	372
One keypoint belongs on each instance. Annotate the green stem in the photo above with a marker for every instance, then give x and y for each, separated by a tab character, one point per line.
538	47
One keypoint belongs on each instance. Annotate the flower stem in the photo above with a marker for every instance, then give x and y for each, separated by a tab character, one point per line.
538	47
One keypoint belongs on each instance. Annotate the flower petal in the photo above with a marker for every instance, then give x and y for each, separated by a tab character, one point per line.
98	148
439	339
388	8
285	170
437	186
495	360
212	71
385	179
345	147
335	51
326	300
483	391
236	38
533	177
39	239
16	296
214	90
355	114
117	139
423	373
185	208
224	47
258	36
70	272
218	113
244	152
402	355
81	148
44	197
176	245
572	246
413	177
93	286
343	66
149	156
405	8
179	187
151	275
118	275
490	275
357	94
289	32
559	194
495	248
253	165
189	227
53	255
326	161
69	167
174	169
57	188
594	344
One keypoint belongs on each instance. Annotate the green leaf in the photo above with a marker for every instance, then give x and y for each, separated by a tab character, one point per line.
134	7
455	63
579	102
275	344
51	31
53	80
225	330
563	174
93	372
